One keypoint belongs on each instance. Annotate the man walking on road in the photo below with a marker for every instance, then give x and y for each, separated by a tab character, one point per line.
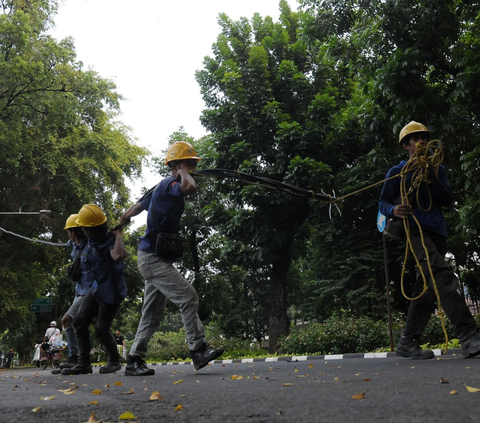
431	195
162	280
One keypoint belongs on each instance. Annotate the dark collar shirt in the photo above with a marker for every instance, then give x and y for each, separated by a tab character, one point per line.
165	208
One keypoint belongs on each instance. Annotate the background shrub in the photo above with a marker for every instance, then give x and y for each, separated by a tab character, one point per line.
347	334
340	334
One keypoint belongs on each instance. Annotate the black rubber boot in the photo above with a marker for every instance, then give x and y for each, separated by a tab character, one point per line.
82	368
136	366
471	347
408	347
111	367
71	362
202	356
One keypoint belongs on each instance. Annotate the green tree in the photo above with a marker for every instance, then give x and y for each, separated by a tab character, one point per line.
414	60
60	146
270	107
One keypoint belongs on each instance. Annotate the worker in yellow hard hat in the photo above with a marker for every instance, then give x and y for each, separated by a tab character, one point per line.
427	203
106	255
159	247
81	274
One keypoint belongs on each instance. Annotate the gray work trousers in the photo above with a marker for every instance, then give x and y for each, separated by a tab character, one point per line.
163	281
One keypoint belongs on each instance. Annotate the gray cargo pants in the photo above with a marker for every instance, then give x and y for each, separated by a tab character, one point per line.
162	281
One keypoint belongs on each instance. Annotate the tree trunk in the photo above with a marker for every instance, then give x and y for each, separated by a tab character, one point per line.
277	314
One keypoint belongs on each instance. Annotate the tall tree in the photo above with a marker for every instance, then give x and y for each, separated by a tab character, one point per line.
270	103
60	147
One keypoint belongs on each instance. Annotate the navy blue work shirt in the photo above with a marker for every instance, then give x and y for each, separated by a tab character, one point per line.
430	218
165	208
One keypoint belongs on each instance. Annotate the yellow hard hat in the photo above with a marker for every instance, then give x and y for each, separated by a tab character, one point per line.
91	215
410	129
181	150
72	222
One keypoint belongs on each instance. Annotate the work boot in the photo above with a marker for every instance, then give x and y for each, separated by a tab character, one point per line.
471	347
408	347
71	362
82	368
136	366
111	367
202	356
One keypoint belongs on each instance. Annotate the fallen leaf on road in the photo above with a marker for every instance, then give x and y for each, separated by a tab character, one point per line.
366	380
97	392
68	391
442	380
127	416
37	409
92	419
453	392
178	381
359	396
287	384
155	396
472	389
118	384
107	385
93	402
178	407
48	398
310	365
131	391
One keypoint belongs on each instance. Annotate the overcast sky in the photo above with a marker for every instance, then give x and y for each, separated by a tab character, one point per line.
151	50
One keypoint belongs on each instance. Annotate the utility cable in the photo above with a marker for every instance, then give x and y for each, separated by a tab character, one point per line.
40	241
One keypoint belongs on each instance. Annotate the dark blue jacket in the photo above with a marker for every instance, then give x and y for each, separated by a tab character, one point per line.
86	279
109	285
430	218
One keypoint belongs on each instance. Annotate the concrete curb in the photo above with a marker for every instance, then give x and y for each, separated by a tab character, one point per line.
295	358
437	352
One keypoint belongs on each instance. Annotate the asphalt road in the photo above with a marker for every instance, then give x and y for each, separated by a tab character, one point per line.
321	390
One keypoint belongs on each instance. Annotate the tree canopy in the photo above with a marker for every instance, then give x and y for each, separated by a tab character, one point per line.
61	146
